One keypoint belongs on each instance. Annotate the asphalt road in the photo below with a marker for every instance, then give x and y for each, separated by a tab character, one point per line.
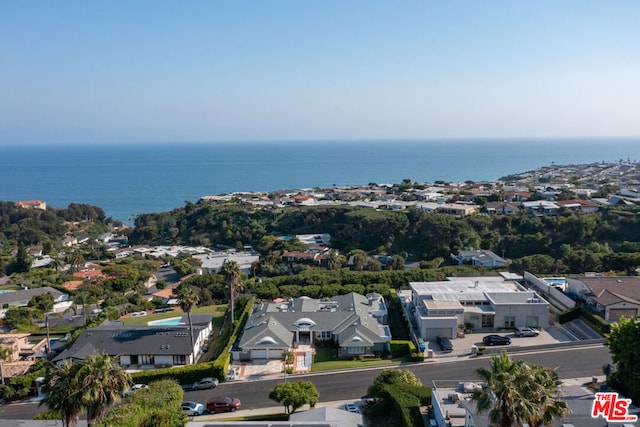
570	362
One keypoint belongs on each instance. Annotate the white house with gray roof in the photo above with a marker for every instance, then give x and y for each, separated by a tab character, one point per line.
437	308
22	298
143	347
352	321
479	258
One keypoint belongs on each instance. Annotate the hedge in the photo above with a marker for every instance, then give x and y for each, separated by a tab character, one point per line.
593	320
407	400
399	348
159	406
222	362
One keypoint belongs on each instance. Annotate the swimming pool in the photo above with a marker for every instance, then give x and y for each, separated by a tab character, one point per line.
172	321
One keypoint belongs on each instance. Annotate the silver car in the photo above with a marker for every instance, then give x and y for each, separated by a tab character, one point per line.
526	332
192	408
208	382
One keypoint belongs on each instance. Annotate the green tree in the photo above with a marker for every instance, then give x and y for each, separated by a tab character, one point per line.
101	380
19	317
623	345
188	299
61	387
231	272
397	263
392	376
516	392
359	259
22	262
294	395
43	302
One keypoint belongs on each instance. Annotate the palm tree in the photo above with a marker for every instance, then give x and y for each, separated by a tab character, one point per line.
231	272
545	396
93	384
60	392
101	380
188	300
517	392
76	261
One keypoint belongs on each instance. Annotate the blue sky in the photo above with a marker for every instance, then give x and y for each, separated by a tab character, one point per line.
158	71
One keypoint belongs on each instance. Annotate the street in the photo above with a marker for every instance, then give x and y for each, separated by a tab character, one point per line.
570	362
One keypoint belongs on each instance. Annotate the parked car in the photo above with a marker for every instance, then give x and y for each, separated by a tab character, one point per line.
192	408
444	343
496	340
526	332
133	389
205	383
222	404
351	407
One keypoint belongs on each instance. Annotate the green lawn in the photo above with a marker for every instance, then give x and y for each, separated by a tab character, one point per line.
216	310
326	360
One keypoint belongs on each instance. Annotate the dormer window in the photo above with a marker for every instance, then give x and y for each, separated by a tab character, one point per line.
266	340
304	322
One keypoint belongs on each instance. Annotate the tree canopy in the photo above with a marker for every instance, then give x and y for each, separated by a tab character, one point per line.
516	392
623	345
294	395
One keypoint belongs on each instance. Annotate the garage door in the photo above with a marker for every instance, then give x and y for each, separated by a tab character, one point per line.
431	334
259	354
616	313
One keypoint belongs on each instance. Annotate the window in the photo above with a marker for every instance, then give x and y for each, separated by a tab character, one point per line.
532	321
180	359
509	321
356	350
147	360
325	335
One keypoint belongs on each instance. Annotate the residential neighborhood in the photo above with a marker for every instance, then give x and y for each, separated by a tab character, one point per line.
291	315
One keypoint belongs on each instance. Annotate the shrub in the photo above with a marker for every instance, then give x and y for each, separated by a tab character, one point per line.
400	348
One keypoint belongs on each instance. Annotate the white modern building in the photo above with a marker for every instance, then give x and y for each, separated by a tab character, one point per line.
437	308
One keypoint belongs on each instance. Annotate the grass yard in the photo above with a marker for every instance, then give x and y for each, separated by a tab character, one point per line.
326	360
216	310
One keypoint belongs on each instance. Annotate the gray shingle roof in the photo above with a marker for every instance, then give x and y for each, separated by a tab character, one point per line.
346	316
27	294
117	340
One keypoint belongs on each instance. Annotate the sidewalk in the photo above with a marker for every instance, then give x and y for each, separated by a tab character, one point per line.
338	404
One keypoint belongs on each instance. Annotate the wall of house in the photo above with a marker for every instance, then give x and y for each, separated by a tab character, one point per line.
521	312
431	327
613	312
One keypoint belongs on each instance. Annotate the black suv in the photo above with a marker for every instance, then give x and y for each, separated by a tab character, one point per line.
496	340
444	343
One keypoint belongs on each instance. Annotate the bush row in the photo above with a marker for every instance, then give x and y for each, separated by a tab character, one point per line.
582	312
407	400
157	406
222	362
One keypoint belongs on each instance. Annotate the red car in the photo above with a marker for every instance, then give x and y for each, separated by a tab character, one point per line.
222	404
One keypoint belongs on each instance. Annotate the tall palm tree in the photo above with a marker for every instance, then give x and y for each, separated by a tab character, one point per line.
101	380
188	299
231	272
61	393
516	392
76	261
545	391
93	384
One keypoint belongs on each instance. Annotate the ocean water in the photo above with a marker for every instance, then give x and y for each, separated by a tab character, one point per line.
127	180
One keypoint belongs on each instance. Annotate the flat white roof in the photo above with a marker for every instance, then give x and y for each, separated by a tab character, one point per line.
467	289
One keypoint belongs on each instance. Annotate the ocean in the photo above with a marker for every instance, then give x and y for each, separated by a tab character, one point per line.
127	180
